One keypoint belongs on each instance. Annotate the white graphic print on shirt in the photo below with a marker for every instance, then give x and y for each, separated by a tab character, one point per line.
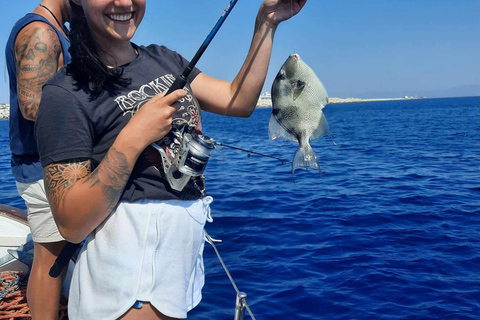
186	119
131	102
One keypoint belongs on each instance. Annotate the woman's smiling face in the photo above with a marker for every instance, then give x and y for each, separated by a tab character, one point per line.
113	20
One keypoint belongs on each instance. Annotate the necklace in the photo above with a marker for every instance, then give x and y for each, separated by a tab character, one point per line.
54	17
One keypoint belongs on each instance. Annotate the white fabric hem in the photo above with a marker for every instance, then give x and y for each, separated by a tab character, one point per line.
166	310
135	249
57	238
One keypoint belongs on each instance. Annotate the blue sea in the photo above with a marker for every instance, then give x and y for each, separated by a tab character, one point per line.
391	229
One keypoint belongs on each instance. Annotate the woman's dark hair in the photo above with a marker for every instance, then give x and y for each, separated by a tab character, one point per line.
86	67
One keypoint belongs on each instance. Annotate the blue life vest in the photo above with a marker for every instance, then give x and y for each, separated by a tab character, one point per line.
25	161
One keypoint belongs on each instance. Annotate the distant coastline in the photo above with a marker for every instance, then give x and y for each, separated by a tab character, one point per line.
265	100
4	111
357	100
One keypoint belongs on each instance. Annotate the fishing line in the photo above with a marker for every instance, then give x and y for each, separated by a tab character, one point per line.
332	139
253	152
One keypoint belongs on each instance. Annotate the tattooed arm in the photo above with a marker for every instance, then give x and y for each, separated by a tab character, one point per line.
81	199
38	55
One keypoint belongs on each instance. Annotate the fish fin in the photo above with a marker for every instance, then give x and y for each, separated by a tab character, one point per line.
297	91
322	129
304	158
276	130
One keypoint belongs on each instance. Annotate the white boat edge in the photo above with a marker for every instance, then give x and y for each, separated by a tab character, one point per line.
14	232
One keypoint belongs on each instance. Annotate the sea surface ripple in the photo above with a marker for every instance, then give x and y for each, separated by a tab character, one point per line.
391	229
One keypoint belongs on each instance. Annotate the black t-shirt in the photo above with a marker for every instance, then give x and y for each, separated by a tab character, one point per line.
70	125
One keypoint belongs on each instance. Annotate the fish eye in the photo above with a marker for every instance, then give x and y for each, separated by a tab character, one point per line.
300	84
281	75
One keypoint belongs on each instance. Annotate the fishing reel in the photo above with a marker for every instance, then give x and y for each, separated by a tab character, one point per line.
190	161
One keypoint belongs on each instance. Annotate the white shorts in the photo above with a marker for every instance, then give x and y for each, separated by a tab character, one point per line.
147	251
39	215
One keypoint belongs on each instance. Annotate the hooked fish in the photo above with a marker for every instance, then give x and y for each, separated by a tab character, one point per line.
298	97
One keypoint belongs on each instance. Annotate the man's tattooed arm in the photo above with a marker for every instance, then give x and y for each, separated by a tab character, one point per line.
37	52
80	199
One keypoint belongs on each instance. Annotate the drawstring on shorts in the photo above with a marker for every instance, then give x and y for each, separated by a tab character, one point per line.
208	212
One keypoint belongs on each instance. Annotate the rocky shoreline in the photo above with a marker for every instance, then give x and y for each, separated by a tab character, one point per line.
358	100
266	102
4	111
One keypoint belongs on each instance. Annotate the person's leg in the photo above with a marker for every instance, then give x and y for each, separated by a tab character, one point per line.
43	291
146	312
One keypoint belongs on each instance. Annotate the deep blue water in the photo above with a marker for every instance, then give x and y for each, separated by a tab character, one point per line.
391	230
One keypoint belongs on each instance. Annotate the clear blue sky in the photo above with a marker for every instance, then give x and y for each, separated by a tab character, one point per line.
357	48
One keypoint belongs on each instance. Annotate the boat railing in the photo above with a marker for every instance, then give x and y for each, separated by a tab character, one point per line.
240	306
241	303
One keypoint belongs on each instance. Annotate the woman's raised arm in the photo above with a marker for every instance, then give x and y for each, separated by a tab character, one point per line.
240	97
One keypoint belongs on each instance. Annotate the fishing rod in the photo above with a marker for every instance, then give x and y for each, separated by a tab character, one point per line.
69	250
181	80
253	152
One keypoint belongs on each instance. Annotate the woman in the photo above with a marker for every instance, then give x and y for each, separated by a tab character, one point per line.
97	120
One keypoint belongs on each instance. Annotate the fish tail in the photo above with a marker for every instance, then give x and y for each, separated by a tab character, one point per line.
304	158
